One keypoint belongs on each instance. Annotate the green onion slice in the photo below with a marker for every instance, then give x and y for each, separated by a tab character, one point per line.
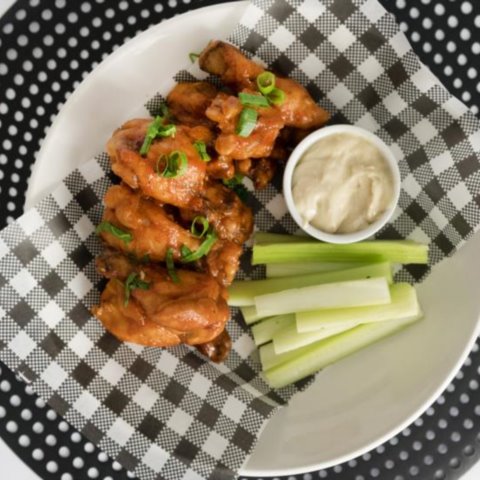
201	149
167	130
202	250
171	266
246	122
151	134
176	163
193	56
276	96
134	281
252	100
204	225
108	227
266	82
237	186
185	251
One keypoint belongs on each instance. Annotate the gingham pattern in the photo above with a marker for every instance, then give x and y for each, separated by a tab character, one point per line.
168	413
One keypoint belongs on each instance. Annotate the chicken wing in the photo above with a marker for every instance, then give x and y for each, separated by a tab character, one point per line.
145	173
225	111
153	231
161	313
260	171
188	101
230	64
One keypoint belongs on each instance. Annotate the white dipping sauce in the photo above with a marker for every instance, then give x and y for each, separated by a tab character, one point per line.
342	184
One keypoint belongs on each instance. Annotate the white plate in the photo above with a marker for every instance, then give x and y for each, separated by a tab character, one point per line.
352	406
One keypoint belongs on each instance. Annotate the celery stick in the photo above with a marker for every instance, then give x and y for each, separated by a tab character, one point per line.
250	315
404	304
243	292
270	359
325	352
356	293
265	238
288	339
275	270
394	251
263	331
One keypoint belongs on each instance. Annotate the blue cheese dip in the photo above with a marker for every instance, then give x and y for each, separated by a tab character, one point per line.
342	184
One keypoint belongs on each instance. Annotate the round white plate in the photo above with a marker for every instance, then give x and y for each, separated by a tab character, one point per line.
352	406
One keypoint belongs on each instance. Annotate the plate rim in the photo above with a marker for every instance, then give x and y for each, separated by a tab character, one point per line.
313	467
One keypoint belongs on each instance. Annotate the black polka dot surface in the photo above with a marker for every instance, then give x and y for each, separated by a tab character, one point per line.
46	49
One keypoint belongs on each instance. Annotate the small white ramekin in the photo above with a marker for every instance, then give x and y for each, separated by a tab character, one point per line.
303	146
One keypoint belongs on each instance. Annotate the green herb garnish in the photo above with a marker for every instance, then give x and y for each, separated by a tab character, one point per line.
134	281
246	122
201	149
171	266
117	232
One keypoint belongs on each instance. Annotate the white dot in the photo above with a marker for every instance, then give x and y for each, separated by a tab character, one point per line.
48	40
109	13
89	447
27	65
52	466
78	462
448	70
415	36
452	21
37	454
47	14
439	9
116	465
465	34
466	96
51	440
451	47
29	390
12	426
476	48
37	52
26	414
97	22
462	59
4	384
466	8
60	28
427	23
34	27
477	21
471	72
457	83
66	476
92	472
427	47
63	426
172	3
64	452
15	400
51	414
7	28
84	31
102	457
75	437
3	69
3	412
24	440
12	54
22	40
37	427
72	17
85	7
401	4
414	12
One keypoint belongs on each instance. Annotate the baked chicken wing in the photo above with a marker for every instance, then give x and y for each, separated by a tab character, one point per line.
230	64
156	311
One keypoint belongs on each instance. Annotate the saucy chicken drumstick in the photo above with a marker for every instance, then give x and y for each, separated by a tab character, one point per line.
151	232
141	304
234	69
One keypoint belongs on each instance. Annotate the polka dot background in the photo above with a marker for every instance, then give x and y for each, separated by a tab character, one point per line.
46	49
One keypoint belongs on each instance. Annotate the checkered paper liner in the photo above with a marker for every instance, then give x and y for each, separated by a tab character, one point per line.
167	413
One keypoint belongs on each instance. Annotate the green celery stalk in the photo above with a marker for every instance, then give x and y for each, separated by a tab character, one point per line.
355	293
314	357
270	359
265	238
404	304
242	293
275	270
263	331
250	315
394	251
288	339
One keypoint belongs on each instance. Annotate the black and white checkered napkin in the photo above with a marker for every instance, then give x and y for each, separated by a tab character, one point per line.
166	413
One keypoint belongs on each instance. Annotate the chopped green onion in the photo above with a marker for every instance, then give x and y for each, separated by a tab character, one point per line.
249	100
202	250
134	281
246	122
237	186
175	164
266	82
150	135
193	56
171	266
201	149
185	251
164	111
204	223
108	227
276	96
157	129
